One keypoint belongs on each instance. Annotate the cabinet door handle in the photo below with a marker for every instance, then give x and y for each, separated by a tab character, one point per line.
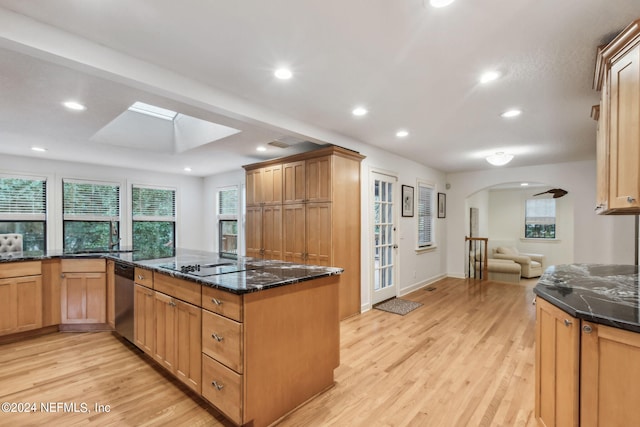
172	304
587	329
567	322
140	277
217	385
217	337
216	301
62	276
630	199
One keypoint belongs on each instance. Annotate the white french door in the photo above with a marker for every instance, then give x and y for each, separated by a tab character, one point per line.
384	248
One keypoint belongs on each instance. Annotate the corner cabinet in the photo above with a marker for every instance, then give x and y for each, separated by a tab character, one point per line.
298	205
83	291
585	372
617	76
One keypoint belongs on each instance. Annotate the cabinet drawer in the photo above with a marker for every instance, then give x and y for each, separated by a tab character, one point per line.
221	302
222	340
143	277
178	288
83	265
20	269
223	388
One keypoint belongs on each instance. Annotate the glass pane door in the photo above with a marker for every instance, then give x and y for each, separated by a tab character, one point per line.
384	230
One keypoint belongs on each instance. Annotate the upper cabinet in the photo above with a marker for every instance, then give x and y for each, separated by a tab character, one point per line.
264	185
617	76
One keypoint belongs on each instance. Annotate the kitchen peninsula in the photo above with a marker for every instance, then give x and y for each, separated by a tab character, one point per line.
588	345
256	338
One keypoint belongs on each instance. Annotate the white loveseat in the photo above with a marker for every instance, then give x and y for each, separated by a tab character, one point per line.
531	265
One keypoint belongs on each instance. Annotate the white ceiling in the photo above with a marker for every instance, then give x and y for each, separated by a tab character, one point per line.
412	66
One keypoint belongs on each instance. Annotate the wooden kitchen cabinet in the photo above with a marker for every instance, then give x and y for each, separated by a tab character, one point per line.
263	227
21	294
618	147
83	291
264	185
585	374
111	294
320	216
609	383
557	366
144	319
178	345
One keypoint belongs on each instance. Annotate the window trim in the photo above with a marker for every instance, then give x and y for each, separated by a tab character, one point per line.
228	217
148	218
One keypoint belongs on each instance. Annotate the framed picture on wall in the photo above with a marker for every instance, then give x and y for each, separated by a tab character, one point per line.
442	205
407	200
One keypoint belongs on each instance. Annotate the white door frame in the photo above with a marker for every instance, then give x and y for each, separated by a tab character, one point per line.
392	291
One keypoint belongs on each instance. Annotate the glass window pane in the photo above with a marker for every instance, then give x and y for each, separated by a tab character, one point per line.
153	236
89	235
228	234
33	233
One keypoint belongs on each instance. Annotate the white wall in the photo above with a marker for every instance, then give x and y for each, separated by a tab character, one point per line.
480	201
189	190
506	225
597	238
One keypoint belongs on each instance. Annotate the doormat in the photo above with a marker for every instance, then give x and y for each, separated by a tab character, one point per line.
398	306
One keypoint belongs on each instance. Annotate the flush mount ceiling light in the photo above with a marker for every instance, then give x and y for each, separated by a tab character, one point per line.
283	73
187	169
402	133
511	113
440	3
74	105
489	76
524	184
38	149
359	111
500	158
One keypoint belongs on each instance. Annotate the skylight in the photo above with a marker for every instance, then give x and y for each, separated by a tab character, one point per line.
152	110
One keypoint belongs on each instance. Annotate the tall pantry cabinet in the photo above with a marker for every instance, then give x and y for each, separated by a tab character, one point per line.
305	209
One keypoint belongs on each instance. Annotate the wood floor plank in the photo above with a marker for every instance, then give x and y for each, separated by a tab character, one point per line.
464	358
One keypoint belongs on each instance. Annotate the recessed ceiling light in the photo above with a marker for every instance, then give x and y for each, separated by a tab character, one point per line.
402	133
187	169
283	73
73	105
261	148
359	111
38	149
489	76
500	158
440	3
511	113
524	184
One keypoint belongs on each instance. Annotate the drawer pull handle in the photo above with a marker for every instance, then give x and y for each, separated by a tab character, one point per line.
567	322
587	329
630	199
216	301
140	277
217	337
217	385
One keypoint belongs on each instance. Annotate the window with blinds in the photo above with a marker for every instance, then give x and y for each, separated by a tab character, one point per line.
23	210
23	199
91	215
540	219
154	219
228	221
425	214
91	201
153	204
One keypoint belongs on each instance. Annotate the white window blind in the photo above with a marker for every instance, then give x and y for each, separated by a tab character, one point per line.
153	204
540	211
228	202
425	215
23	199
90	201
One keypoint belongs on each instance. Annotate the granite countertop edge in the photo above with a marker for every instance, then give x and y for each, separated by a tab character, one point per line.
311	273
599	293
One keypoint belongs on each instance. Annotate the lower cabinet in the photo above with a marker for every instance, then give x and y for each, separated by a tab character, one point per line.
144	319
609	377
22	299
587	374
223	388
177	339
83	291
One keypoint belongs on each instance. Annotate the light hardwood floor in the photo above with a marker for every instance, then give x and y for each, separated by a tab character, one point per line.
464	358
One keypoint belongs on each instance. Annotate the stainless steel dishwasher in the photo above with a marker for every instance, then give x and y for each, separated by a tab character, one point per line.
124	300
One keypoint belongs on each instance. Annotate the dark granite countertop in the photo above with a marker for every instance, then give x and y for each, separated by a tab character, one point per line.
600	293
241	275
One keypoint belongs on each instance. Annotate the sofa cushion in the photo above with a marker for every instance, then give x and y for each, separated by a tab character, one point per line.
507	250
